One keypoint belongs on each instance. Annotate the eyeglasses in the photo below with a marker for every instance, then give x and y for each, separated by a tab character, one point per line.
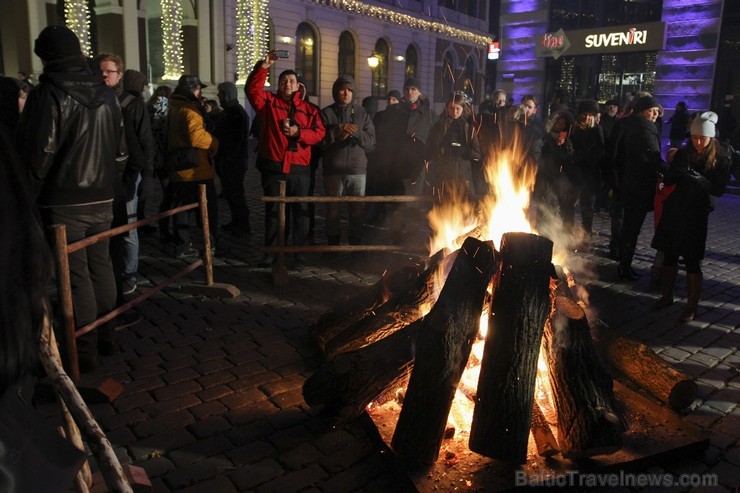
108	72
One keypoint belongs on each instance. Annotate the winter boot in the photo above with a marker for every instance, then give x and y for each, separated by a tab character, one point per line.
668	278
693	283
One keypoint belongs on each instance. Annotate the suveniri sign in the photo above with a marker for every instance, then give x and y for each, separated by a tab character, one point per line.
614	39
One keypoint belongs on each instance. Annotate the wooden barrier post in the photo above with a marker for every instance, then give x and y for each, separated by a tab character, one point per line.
279	272
64	287
205	226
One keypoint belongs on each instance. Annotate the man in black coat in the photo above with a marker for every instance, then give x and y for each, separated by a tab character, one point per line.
232	131
71	137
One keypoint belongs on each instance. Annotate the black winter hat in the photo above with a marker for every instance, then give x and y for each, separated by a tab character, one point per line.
394	94
412	82
588	106
190	82
611	102
646	102
56	42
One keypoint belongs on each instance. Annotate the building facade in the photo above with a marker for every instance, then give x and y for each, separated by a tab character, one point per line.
441	42
611	49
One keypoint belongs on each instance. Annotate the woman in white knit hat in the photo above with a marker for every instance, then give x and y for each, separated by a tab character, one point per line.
701	172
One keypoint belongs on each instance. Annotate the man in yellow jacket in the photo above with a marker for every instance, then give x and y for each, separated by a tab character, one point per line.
192	149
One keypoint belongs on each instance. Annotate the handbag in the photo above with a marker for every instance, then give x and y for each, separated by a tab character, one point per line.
183	158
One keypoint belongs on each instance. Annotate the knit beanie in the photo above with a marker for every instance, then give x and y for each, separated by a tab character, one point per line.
611	102
412	82
55	43
588	106
704	124
134	81
394	94
645	103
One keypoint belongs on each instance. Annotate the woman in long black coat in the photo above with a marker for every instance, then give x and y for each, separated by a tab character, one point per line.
700	172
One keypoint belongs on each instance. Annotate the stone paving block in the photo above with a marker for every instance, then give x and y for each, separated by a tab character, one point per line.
122	419
728	474
171	405
730	424
144	373
288	399
127	402
178	389
160	444
251	452
207	409
209	426
243	398
179	375
353	479
159	485
347	455
289	437
333	441
178	419
156	466
120	436
254	380
248	477
178	363
150	360
289	417
218	485
733	456
206	469
215	379
705	359
213	366
294	481
281	386
213	393
144	385
678	353
199	450
300	456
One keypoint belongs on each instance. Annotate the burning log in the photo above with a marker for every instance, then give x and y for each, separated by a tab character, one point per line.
344	386
588	423
547	446
402	308
442	351
640	364
520	306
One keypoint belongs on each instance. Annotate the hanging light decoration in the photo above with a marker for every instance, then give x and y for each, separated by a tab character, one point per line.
252	31
172	38
77	19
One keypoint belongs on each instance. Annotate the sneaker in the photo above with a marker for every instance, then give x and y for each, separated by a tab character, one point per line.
189	252
128	285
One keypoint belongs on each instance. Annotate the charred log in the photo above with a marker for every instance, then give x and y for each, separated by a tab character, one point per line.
520	306
644	367
588	422
402	308
343	387
442	351
349	311
547	446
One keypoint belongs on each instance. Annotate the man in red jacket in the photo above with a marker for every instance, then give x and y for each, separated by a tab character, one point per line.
288	127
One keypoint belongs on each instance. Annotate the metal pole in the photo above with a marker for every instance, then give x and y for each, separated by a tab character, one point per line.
207	257
64	287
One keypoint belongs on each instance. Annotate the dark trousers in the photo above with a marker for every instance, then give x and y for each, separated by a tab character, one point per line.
633	221
166	202
90	269
232	187
297	185
616	214
186	192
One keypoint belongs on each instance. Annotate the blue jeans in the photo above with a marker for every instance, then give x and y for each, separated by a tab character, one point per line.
345	186
130	241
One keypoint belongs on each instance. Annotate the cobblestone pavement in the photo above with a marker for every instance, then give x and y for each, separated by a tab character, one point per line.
212	400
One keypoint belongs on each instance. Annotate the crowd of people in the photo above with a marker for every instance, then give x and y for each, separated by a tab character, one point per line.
95	144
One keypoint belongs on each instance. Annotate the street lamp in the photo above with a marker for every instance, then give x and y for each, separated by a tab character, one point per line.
373	61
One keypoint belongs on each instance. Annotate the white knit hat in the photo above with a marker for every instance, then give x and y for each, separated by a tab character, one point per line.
704	124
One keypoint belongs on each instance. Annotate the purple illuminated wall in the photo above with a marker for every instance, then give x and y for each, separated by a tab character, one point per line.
685	68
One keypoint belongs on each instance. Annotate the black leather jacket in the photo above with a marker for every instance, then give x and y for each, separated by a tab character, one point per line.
71	135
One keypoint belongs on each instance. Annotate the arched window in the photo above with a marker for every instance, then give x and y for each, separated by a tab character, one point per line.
411	61
448	78
346	54
469	82
306	57
380	73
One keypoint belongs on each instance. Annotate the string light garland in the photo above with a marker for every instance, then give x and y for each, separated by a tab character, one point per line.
383	14
251	35
77	19
172	38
